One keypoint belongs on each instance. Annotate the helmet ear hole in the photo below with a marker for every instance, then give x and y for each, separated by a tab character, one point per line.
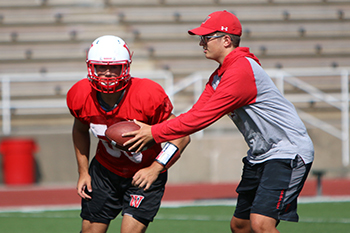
109	51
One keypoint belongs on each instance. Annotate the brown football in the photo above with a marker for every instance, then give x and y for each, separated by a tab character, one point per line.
115	131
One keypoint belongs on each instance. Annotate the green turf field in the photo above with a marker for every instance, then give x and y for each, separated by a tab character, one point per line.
314	217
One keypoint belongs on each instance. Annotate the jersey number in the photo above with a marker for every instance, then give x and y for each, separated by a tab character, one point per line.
115	152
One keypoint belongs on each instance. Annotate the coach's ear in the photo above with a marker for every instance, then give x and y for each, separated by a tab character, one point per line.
227	41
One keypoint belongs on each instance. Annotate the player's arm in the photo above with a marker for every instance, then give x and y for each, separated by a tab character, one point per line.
81	141
167	157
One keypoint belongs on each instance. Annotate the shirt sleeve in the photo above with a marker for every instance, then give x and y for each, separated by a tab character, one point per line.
235	90
73	102
77	97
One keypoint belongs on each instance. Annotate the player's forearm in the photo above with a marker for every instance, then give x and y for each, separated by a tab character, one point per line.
81	141
175	150
82	161
181	143
83	164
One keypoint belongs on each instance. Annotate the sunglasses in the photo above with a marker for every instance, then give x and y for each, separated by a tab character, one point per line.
206	39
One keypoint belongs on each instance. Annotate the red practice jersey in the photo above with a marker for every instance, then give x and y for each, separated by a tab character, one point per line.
143	100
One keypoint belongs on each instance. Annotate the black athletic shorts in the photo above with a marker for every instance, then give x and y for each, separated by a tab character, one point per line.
271	188
112	194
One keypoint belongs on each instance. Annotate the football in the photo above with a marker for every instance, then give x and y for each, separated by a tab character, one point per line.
115	131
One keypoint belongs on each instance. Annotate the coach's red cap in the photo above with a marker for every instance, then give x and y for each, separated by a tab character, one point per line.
222	21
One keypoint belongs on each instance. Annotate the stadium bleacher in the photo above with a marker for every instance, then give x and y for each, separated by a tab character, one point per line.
52	36
45	36
157	29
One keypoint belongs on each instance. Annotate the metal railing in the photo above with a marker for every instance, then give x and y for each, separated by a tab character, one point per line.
165	78
313	94
11	102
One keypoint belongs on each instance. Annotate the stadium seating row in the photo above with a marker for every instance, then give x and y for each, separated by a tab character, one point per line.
41	37
149	15
45	36
140	3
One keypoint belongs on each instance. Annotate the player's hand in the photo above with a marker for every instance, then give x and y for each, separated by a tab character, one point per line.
84	187
145	177
141	138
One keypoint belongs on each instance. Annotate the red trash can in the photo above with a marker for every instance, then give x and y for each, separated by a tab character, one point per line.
18	161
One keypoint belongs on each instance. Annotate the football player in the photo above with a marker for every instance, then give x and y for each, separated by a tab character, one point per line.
118	181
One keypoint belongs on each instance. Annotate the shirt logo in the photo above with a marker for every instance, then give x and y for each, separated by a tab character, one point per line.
136	200
216	81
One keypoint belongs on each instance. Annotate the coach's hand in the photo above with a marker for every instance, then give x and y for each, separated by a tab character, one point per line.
142	137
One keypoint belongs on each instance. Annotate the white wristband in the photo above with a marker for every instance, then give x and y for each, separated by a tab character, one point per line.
168	152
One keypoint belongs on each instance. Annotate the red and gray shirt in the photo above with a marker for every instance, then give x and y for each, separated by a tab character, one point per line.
241	89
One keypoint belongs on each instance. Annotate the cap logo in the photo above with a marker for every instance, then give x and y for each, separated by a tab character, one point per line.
206	20
224	28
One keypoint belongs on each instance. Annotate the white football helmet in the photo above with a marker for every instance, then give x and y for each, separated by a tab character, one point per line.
109	50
